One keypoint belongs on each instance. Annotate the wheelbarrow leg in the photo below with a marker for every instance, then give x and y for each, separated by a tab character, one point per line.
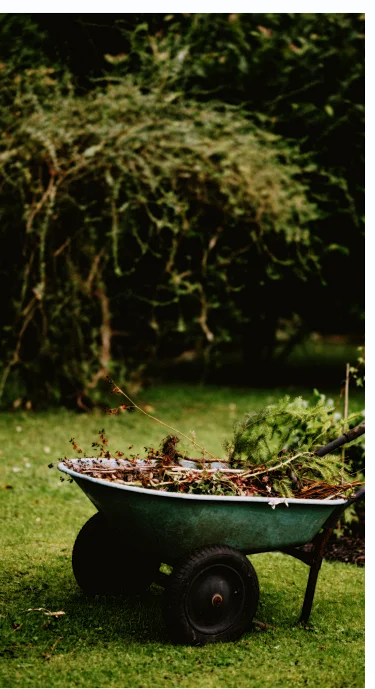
310	590
315	565
314	560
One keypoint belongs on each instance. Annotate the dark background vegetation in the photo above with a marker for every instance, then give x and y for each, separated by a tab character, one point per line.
177	191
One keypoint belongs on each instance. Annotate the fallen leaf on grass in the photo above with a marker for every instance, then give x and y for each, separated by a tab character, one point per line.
262	625
47	612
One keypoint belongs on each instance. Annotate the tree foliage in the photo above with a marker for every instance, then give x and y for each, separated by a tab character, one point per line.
153	198
139	218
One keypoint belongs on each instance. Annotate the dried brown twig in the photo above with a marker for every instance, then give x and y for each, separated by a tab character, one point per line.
118	390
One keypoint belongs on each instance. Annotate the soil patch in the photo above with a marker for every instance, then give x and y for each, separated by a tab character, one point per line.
345	549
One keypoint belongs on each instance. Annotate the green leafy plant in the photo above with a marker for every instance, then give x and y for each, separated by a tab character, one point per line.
264	435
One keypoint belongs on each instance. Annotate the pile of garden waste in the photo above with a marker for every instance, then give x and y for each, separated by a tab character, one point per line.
272	453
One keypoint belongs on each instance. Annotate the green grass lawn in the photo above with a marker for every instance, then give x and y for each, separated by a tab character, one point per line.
123	642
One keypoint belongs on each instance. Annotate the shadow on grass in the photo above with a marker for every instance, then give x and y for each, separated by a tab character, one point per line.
99	620
137	618
86	621
95	622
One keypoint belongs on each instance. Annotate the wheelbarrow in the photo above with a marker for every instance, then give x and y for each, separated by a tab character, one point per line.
212	592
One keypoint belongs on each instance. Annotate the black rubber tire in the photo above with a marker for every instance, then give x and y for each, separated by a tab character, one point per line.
212	596
104	564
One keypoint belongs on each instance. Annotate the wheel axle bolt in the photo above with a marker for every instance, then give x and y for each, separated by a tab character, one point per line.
217	600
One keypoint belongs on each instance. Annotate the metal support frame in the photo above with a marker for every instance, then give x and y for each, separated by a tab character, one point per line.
314	561
314	558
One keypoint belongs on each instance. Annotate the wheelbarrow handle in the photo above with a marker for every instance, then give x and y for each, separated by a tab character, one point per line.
347	437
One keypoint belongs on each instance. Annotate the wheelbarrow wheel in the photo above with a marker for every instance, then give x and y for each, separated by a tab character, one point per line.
104	564
212	596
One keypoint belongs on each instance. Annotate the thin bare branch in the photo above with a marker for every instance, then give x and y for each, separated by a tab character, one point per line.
171	428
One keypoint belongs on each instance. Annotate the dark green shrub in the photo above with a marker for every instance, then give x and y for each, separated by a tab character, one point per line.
140	225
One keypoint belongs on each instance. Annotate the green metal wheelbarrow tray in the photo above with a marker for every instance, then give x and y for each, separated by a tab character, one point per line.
212	592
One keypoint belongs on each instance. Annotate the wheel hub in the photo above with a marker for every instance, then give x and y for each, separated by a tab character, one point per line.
215	599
